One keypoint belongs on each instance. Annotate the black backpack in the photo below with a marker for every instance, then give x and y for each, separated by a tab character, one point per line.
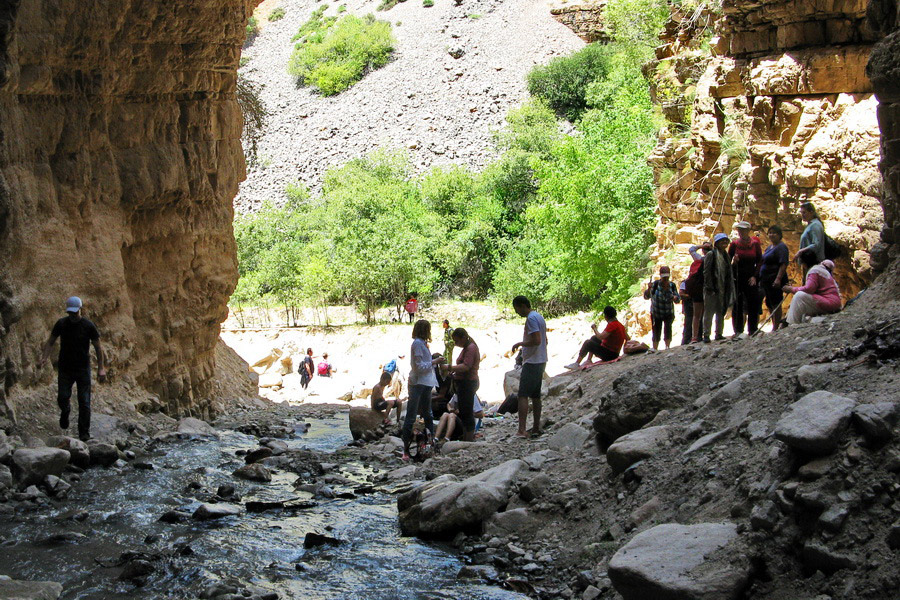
833	250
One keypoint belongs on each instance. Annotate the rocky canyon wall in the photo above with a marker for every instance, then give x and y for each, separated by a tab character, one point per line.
768	106
120	155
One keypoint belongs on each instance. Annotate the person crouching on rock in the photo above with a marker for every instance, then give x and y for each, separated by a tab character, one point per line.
76	335
380	404
421	382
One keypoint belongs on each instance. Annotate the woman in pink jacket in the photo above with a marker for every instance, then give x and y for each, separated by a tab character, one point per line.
820	295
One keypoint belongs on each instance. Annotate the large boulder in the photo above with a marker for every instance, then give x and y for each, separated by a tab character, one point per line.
81	456
635	446
196	427
363	419
31	465
570	436
10	589
877	421
103	455
445	506
635	399
511	383
815	423
681	562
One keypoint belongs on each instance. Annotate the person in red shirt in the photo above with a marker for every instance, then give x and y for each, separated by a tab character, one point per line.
605	345
412	307
746	259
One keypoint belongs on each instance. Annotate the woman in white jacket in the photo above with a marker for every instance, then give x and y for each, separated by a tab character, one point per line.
421	382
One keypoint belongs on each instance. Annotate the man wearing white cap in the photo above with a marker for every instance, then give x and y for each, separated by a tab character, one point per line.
76	334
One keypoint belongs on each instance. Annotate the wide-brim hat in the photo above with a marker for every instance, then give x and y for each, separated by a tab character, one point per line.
742	225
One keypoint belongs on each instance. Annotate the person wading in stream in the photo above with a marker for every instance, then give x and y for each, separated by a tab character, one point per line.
76	335
534	361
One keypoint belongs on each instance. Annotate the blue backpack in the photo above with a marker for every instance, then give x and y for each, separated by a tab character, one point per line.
390	367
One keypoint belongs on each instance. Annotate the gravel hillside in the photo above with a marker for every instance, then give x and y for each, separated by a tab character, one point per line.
441	109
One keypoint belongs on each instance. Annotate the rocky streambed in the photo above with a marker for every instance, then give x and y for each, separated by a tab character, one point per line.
225	513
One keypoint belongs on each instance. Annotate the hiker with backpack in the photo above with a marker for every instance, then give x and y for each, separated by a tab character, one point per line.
307	369
718	287
693	287
746	257
325	368
773	274
663	294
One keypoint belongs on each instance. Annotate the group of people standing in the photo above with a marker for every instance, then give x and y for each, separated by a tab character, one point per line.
738	274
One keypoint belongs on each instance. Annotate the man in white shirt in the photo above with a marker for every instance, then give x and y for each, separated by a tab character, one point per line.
534	361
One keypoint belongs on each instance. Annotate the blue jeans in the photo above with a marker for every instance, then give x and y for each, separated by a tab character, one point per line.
419	403
81	378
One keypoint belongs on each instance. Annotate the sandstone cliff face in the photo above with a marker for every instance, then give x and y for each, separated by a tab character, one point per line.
586	20
780	112
119	158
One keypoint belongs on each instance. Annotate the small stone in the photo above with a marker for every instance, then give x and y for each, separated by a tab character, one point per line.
764	516
313	540
254	472
817	557
257	455
207	512
535	487
136	569
104	455
591	593
174	516
815	423
833	518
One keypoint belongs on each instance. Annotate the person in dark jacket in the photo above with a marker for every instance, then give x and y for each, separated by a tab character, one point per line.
746	258
718	287
76	335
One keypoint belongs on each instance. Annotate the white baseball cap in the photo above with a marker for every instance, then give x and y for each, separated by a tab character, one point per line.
73	304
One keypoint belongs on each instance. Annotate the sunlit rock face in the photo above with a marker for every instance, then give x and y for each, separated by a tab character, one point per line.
120	155
780	112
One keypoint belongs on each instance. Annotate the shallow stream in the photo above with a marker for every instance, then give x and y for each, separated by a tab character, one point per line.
78	541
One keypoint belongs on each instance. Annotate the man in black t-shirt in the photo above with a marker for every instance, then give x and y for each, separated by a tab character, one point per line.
76	334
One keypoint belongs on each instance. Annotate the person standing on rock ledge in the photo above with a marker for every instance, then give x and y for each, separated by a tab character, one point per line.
76	335
534	361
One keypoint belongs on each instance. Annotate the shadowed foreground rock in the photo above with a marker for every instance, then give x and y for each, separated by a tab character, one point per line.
681	562
11	589
445	506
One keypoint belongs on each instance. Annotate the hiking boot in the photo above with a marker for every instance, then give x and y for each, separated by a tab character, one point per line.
63	420
706	340
572	366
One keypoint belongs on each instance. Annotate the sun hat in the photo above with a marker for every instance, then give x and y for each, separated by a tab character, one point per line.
73	304
719	237
742	225
828	264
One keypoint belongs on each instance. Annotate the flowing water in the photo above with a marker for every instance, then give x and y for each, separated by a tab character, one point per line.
77	542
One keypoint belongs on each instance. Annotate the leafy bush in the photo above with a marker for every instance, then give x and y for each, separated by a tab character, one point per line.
333	55
427	3
387	4
277	14
563	82
342	8
252	28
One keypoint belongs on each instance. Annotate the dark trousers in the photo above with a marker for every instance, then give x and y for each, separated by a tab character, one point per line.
82	379
664	327
687	332
419	403
747	302
465	402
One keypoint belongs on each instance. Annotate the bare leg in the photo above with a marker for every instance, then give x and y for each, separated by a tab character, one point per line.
523	415
536	414
451	425
776	318
442	425
399	405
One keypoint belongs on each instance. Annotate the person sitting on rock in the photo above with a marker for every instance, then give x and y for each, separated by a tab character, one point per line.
325	368
451	427
380	403
819	296
392	367
605	345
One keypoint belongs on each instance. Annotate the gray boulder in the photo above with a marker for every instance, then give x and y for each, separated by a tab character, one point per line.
196	427
254	472
81	455
445	506
208	512
534	488
364	419
681	562
31	465
515	521
876	421
571	436
636	446
6	478
104	455
815	423
10	589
